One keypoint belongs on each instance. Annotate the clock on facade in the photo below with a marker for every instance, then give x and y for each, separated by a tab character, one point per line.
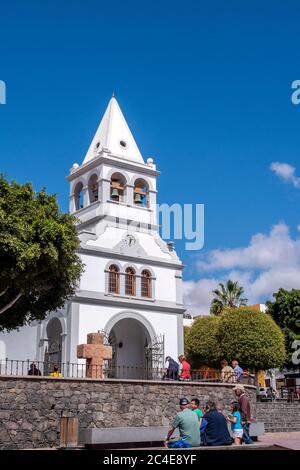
130	240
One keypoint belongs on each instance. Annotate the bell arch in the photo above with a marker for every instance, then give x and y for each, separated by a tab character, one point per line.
141	193
93	188
78	196
118	184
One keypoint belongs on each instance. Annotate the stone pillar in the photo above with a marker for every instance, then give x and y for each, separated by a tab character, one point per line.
104	190
86	196
122	284
72	206
180	335
152	206
179	291
129	194
99	183
138	285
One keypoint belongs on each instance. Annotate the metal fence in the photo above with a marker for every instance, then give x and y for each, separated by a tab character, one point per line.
84	370
291	393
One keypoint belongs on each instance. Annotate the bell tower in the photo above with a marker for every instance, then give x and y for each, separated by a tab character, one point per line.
132	284
113	183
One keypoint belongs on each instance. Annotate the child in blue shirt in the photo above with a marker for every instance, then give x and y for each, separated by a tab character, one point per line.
235	419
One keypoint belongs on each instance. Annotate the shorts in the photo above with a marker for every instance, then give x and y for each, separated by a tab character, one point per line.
178	444
237	433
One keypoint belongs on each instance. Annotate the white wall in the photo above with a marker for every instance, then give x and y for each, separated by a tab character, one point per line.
94	277
131	213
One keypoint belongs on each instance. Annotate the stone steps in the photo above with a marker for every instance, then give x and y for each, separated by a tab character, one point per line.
279	416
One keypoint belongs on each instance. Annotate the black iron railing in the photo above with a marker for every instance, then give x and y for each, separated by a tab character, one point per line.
291	393
13	367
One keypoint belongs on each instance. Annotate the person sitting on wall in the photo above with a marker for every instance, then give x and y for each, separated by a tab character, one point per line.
216	430
249	377
172	369
55	372
184	369
195	407
188	425
33	370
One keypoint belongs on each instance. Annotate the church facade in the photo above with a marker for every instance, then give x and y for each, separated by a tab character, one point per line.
131	288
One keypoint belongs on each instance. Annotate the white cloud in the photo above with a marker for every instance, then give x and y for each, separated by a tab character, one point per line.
263	252
266	264
198	295
286	172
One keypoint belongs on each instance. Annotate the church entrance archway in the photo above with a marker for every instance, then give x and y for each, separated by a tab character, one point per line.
53	348
130	340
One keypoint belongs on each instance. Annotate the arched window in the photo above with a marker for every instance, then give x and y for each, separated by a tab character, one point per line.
78	196
114	279
130	281
93	189
141	193
146	288
117	185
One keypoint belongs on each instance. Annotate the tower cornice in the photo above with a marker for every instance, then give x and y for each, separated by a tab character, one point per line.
115	161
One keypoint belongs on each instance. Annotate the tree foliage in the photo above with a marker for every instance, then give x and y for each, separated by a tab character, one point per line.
285	310
230	295
251	337
201	346
39	267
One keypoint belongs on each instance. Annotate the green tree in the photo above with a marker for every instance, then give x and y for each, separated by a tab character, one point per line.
285	310
201	346
251	337
230	295
39	267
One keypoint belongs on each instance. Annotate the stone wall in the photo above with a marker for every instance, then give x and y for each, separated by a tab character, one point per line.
31	407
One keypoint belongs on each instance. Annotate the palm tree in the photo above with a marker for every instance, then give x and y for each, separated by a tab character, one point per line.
227	296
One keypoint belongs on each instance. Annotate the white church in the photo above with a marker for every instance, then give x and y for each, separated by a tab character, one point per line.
131	288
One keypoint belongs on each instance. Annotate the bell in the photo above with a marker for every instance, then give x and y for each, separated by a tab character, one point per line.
138	199
115	194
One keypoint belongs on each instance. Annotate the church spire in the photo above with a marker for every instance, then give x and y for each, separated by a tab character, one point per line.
114	135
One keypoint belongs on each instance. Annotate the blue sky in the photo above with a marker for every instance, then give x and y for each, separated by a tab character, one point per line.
205	88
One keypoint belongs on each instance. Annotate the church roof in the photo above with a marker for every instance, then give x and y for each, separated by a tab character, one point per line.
114	135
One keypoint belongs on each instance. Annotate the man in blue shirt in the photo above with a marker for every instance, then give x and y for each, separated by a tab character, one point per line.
216	431
238	371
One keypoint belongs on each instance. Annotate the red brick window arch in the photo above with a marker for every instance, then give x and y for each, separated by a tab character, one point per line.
114	279
130	281
146	284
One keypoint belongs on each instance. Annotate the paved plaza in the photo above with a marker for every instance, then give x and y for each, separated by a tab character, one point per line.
290	440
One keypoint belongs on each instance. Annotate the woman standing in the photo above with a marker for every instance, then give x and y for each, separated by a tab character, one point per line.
227	373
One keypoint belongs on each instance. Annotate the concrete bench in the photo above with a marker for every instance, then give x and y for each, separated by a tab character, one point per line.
138	436
257	429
